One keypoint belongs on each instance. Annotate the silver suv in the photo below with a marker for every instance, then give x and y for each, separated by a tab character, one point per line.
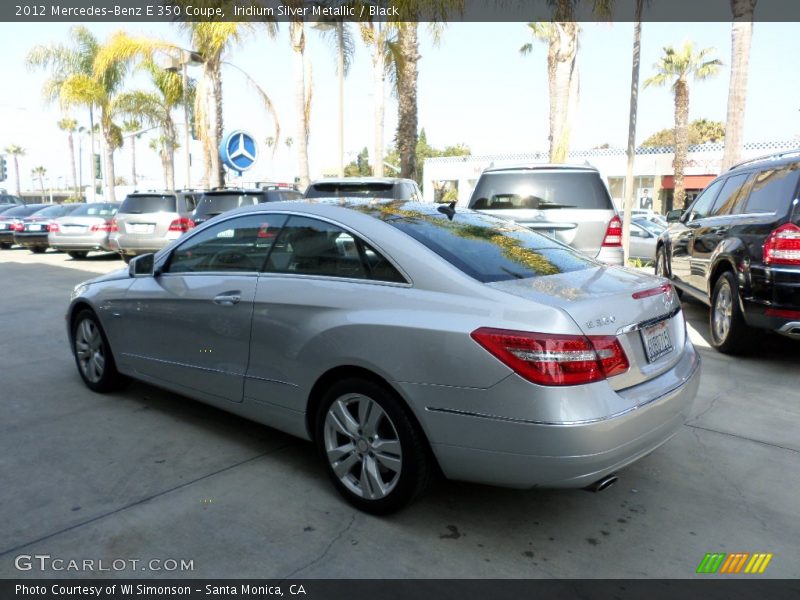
567	202
148	221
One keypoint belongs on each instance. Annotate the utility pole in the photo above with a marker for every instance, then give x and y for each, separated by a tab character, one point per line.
628	202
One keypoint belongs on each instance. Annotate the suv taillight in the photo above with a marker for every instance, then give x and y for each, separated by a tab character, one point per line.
183	224
107	226
113	227
55	227
550	359
613	237
783	246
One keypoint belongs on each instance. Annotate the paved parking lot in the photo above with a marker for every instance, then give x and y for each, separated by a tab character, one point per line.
144	474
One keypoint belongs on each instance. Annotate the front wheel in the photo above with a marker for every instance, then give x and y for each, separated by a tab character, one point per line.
726	323
38	249
373	450
93	354
77	255
661	262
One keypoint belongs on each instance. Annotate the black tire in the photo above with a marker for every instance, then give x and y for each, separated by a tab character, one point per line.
110	379
661	270
5	246
78	254
394	428
38	249
728	331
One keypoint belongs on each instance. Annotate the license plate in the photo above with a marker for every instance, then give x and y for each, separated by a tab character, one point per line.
140	228
73	228
3	226
656	340
34	227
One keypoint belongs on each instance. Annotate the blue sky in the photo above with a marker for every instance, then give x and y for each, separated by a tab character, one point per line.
474	88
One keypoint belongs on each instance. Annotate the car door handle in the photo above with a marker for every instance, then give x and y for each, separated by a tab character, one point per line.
228	298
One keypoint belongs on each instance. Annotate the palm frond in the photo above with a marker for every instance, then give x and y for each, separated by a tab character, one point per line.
265	99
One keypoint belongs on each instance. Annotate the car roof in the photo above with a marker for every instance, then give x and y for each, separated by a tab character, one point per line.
540	167
222	191
778	159
357	180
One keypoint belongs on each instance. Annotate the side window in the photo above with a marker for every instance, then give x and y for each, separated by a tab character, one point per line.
730	195
239	244
311	247
773	190
702	206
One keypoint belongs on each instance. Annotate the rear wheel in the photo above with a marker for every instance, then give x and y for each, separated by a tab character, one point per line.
728	330
77	255
373	450
661	268
5	245
38	249
93	354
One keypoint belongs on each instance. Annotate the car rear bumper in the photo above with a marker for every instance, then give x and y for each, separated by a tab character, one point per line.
6	237
30	240
137	244
774	300
526	453
79	242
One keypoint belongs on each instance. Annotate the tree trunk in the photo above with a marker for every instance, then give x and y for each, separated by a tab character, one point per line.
91	161
563	81
406	137
741	37
41	185
298	39
133	159
340	65
169	152
203	128
681	140
220	125
631	152
16	173
379	91
215	178
71	141
108	152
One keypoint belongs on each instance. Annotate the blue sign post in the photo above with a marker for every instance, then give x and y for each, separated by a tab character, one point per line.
238	151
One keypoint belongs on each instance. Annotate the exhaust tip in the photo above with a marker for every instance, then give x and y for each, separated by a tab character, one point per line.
602	484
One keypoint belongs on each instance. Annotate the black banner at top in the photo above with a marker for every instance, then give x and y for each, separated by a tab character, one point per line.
87	11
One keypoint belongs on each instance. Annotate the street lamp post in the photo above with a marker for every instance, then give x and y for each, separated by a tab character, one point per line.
187	58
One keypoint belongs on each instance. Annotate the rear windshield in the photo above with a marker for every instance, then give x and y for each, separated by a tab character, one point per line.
23	211
372	189
53	211
281	195
215	204
95	210
540	190
487	248
148	204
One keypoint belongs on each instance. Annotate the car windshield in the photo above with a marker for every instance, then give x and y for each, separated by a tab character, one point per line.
540	190
95	209
371	189
214	204
148	203
486	248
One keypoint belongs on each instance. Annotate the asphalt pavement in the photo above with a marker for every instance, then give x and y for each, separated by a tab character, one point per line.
145	474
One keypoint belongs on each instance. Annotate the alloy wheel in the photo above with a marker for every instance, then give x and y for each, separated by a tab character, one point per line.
722	312
90	350
362	446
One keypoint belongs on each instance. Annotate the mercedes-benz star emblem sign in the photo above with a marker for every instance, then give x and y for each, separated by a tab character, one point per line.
241	148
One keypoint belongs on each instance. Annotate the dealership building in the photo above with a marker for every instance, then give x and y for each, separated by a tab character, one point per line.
652	168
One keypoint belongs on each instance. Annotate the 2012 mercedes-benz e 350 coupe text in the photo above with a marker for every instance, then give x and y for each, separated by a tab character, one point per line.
400	336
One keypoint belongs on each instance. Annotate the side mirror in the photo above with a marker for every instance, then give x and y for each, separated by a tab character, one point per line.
674	216
142	266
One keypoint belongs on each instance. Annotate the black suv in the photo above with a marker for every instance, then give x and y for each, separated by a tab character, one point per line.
216	202
737	248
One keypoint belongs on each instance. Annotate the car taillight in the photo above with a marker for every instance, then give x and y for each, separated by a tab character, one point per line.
113	227
613	237
549	359
664	288
783	246
183	224
55	227
18	226
107	226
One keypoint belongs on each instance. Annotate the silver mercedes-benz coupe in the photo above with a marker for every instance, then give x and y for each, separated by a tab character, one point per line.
400	337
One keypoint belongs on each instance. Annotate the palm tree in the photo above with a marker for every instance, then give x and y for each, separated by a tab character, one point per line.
302	97
16	151
165	148
71	126
39	173
338	32
631	151
155	109
131	127
387	59
562	80
76	80
741	38
676	67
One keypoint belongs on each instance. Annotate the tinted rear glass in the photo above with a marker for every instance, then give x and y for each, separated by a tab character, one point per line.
214	204
282	195
53	211
23	211
148	204
773	190
486	248
540	190
343	189
95	210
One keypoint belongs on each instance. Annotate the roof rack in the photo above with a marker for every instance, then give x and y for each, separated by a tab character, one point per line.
775	156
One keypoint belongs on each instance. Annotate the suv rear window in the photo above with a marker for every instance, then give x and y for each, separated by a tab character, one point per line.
148	203
488	248
540	190
219	203
95	210
773	190
373	189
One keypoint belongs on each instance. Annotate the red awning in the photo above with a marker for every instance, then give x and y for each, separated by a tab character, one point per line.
690	182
